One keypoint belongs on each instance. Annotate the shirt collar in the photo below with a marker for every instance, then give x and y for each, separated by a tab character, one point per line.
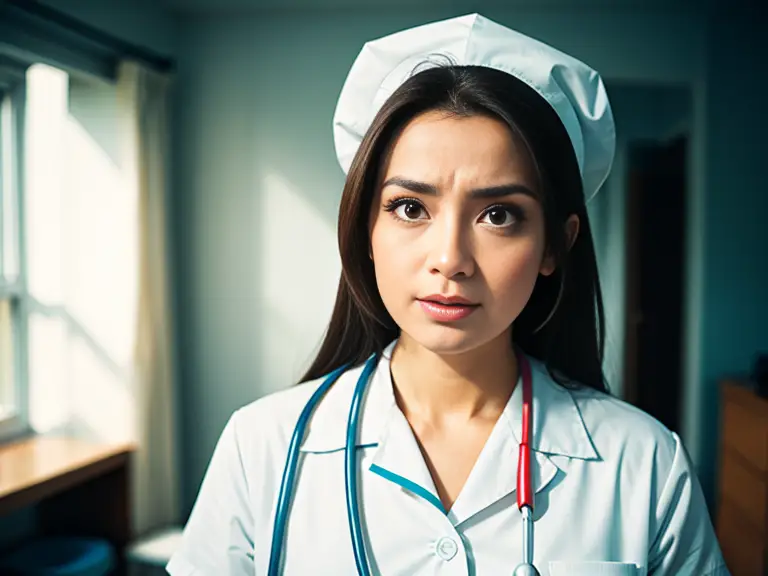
558	428
327	430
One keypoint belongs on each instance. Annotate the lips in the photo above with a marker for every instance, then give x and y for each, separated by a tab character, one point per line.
442	308
448	300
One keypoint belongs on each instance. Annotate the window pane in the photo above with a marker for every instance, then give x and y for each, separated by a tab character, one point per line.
9	210
7	380
45	180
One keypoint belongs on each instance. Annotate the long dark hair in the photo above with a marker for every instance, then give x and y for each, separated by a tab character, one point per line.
563	323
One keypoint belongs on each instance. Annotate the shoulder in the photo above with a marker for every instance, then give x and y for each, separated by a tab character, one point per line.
635	448
618	431
651	461
610	419
270	421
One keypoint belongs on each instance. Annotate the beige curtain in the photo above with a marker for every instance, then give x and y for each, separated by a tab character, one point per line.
143	97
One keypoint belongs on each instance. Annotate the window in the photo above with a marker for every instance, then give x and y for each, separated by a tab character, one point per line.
69	226
69	258
13	404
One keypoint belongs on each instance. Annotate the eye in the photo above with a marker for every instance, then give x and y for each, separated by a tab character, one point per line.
407	209
500	216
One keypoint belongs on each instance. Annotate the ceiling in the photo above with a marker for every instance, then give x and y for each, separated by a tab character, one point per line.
464	5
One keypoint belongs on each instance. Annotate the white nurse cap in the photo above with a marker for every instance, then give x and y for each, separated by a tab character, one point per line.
575	91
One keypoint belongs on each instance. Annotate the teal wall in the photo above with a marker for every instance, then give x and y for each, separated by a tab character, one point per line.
734	235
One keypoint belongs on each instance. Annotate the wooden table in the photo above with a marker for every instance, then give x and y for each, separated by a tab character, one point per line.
77	487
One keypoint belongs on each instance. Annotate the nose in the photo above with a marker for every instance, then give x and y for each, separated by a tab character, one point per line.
450	253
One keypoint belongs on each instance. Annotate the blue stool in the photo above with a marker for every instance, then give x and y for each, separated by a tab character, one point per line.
63	556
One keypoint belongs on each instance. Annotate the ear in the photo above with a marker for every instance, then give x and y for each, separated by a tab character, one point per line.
571	233
572	226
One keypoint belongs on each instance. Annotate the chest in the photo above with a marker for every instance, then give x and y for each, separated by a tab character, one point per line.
450	456
406	535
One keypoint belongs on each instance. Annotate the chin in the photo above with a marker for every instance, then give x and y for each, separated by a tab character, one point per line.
449	338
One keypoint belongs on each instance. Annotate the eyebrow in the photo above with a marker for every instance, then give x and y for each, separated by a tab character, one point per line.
488	192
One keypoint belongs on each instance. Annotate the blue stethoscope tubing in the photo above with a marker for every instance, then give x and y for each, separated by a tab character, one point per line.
351	465
350	470
289	472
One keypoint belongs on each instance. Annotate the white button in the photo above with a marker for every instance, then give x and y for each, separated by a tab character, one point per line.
446	548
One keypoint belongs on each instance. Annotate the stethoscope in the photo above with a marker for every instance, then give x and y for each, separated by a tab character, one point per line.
524	487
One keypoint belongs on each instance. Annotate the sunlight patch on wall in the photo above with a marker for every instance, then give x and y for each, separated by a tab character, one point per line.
300	275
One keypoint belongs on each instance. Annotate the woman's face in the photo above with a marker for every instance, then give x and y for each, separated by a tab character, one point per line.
456	215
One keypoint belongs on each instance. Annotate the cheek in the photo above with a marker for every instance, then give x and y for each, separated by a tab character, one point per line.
393	263
383	237
511	275
392	243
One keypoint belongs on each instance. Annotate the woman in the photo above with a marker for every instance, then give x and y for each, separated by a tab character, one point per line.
468	274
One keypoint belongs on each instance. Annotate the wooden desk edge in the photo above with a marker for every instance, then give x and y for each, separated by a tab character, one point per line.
115	457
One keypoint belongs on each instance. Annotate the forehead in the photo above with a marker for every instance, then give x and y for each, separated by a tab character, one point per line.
447	150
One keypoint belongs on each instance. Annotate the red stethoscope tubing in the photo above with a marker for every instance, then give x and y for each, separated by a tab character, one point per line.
524	487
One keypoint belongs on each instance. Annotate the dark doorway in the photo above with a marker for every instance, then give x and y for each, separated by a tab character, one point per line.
655	275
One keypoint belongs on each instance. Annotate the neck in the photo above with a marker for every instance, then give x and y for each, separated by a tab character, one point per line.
439	388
